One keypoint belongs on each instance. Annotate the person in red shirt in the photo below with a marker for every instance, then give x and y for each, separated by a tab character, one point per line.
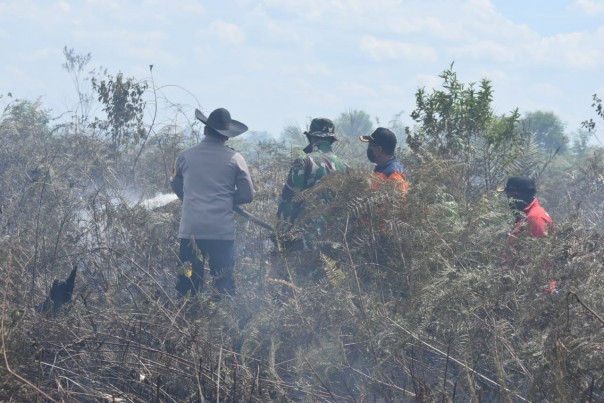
530	216
380	150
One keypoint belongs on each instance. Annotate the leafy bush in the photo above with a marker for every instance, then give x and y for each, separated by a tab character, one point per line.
412	297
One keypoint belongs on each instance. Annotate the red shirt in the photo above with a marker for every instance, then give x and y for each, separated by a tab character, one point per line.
536	220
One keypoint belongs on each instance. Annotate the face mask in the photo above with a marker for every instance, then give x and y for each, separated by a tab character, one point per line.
370	155
520	202
517	205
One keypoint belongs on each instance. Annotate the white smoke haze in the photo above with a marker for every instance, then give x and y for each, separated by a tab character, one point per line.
159	200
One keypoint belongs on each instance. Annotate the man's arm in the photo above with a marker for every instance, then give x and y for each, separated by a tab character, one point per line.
176	180
294	184
245	188
284	211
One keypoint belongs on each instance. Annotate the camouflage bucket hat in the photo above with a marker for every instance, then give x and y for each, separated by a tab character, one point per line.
321	127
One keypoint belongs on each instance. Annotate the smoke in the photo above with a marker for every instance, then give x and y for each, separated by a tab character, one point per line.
158	200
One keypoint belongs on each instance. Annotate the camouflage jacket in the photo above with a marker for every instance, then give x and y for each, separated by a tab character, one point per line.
303	174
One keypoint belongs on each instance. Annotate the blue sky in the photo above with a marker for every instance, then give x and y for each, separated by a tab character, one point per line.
278	62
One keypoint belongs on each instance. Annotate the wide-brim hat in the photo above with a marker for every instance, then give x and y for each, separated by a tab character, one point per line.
220	121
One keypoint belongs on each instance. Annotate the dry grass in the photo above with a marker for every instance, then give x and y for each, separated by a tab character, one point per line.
402	298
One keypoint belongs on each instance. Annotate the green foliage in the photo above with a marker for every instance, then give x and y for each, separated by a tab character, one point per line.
24	120
548	129
403	298
354	123
580	142
450	119
122	100
458	123
529	158
293	134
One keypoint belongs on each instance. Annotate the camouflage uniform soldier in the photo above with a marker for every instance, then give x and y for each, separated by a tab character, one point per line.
305	172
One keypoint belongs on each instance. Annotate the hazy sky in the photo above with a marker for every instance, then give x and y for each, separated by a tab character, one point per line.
277	62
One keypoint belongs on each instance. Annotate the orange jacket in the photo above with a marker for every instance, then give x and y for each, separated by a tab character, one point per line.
391	170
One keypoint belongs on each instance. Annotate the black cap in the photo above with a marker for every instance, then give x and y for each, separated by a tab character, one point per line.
383	138
520	184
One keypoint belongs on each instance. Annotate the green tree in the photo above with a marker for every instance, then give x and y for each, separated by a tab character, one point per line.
458	123
354	123
122	100
548	129
292	134
580	141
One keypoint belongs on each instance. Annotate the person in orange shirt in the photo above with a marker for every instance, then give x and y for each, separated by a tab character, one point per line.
530	216
380	151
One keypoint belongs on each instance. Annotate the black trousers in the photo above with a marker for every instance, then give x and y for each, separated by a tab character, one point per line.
220	256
